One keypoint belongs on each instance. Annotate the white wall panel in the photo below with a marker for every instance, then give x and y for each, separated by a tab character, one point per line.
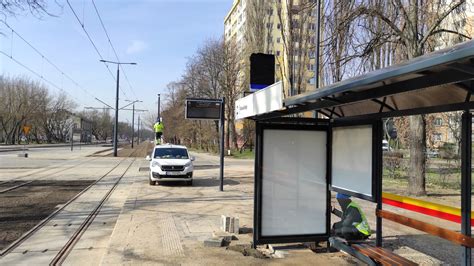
352	159
294	183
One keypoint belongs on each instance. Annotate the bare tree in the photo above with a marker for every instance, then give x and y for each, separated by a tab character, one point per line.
15	7
231	88
25	102
411	28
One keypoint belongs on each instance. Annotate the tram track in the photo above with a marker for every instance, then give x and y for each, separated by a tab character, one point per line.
41	171
38	226
37	179
75	237
68	247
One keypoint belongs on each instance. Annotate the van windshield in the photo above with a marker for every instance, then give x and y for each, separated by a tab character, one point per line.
171	153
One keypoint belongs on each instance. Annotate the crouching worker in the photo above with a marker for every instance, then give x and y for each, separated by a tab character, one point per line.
353	224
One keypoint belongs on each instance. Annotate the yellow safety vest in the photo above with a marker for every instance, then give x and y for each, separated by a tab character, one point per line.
363	226
158	127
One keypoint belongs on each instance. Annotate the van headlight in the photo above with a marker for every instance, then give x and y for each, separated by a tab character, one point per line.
155	164
187	164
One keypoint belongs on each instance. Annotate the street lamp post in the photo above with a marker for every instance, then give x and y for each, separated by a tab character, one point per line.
116	101
138	133
158	117
133	117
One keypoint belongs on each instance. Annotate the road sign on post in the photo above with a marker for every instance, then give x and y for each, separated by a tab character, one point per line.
210	109
26	129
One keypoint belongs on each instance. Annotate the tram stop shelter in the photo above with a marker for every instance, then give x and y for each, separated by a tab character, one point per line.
299	161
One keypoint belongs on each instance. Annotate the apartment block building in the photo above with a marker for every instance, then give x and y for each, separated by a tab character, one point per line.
288	34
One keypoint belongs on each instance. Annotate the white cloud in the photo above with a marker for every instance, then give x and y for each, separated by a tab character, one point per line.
136	46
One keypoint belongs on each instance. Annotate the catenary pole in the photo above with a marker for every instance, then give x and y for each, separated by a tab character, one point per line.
317	41
133	122
115	140
116	111
138	133
158	117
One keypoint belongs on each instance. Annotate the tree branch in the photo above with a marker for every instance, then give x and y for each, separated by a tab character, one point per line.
452	32
439	20
373	12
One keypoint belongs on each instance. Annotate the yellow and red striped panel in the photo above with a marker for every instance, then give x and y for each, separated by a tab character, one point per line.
429	208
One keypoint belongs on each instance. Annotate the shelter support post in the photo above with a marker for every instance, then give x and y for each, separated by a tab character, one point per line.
378	179
221	132
257	174
466	182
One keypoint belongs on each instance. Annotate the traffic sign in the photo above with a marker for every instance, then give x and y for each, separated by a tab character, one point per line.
26	129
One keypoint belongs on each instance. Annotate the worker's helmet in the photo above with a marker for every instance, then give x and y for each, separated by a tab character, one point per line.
342	196
343	200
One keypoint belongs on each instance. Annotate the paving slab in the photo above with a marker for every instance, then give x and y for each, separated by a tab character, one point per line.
93	244
168	224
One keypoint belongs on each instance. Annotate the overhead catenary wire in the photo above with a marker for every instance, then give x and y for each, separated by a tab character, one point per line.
93	44
54	85
44	58
113	48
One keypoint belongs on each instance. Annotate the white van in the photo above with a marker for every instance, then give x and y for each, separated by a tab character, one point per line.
170	163
385	146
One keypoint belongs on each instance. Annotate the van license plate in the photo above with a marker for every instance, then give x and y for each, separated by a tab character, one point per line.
172	173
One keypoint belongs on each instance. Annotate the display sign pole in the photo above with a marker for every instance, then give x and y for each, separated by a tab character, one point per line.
221	127
210	109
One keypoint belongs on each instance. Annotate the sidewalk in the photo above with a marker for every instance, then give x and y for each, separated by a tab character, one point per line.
19	147
168	224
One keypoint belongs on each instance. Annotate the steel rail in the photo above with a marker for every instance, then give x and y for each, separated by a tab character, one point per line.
68	247
28	234
40	178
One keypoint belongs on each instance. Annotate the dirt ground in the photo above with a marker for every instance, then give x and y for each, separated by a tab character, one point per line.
21	209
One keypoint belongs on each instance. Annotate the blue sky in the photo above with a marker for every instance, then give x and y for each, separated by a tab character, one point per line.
157	34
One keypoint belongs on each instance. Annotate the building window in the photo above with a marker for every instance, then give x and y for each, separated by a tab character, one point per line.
278	26
438	121
278	53
278	40
436	136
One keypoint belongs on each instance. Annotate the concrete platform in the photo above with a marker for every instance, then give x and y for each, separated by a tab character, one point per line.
165	224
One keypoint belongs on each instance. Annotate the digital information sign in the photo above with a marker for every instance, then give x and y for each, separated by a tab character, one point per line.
203	109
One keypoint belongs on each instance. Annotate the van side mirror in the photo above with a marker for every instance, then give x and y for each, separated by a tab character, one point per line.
148	158
193	158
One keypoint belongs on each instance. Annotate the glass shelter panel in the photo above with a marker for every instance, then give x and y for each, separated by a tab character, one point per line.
294	183
352	159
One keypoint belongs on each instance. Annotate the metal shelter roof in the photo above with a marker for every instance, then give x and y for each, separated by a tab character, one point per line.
437	82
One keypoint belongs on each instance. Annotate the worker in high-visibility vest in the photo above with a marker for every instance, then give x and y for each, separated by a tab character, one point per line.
158	131
353	224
